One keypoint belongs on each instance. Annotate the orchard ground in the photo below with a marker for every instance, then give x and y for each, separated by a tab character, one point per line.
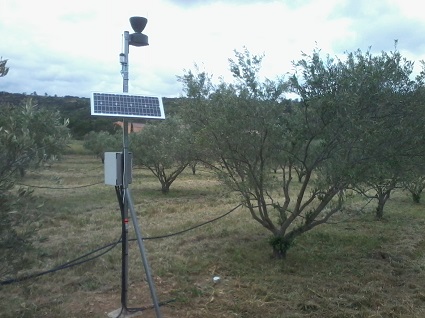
354	267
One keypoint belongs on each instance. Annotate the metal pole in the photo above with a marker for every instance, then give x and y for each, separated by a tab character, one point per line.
143	253
124	247
128	204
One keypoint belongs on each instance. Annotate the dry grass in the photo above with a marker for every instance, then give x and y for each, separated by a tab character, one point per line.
356	268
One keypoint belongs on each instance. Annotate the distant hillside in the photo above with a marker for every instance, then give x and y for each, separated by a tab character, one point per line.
77	109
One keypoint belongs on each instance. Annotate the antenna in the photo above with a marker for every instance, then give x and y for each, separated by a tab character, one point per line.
127	106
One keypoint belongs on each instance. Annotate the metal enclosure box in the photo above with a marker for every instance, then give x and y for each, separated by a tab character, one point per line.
114	167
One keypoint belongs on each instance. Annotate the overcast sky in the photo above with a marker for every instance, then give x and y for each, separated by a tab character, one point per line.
72	47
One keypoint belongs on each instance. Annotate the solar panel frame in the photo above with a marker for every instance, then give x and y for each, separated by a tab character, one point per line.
126	105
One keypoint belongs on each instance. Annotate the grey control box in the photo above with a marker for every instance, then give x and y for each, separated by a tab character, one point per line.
114	168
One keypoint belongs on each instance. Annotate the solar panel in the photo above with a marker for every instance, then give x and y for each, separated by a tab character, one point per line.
125	105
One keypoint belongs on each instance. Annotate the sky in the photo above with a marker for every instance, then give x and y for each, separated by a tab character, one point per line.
59	47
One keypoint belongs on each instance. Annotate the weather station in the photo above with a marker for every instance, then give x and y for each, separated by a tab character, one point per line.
118	165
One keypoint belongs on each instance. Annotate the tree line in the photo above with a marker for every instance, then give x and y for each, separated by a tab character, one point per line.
72	108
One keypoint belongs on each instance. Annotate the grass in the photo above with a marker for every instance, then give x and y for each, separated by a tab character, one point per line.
356	267
77	147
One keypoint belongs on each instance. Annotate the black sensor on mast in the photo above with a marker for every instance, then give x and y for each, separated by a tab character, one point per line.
138	38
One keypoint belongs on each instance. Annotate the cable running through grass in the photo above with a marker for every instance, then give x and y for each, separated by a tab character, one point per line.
79	260
65	265
62	188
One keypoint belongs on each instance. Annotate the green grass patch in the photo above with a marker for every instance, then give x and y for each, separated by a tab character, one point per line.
76	147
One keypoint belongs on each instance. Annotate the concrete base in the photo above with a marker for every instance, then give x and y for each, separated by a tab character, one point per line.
122	313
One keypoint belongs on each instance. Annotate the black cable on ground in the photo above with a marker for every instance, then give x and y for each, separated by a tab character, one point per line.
61	188
191	228
110	246
69	264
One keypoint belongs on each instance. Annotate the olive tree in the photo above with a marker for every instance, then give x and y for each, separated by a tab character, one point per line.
248	132
415	185
166	148
413	181
29	136
100	142
388	101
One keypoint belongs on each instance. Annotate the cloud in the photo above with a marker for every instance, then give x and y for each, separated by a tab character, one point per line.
199	3
72	48
378	23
